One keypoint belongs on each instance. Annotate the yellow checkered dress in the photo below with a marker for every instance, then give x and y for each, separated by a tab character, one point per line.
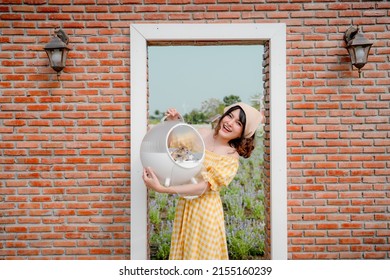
199	226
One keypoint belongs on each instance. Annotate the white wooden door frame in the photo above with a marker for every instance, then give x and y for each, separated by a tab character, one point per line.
275	34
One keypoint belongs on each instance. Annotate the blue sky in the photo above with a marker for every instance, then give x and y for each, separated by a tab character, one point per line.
183	76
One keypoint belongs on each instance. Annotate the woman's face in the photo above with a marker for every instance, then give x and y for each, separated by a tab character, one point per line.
231	127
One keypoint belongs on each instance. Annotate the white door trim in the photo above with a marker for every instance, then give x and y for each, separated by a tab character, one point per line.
275	34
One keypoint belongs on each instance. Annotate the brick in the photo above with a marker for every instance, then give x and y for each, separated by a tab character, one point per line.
100	251
16	229
374	255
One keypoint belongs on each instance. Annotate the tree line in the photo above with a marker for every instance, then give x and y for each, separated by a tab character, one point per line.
210	109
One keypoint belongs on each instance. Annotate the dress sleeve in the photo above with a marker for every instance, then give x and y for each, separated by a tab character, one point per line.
221	174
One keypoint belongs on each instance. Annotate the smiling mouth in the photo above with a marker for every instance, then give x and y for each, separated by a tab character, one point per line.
227	128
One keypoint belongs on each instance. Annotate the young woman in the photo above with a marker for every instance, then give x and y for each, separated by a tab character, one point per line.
199	226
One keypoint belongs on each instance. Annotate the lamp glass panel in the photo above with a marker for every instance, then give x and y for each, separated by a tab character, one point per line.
49	54
56	58
64	56
351	52
360	55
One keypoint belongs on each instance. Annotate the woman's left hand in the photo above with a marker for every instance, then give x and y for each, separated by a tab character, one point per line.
172	114
151	180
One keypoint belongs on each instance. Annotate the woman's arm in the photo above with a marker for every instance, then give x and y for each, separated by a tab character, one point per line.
151	181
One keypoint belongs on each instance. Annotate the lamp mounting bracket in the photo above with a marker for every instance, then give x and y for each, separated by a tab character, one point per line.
62	35
350	33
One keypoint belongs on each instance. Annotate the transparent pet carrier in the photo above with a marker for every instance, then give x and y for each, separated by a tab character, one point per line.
175	151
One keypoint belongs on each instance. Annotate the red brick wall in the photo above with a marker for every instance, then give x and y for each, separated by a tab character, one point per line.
64	165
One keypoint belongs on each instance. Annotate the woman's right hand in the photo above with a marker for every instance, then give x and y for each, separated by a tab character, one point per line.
172	114
151	180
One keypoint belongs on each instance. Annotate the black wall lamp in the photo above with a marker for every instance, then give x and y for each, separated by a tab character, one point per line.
57	50
358	47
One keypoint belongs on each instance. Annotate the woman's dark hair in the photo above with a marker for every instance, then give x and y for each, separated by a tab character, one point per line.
243	146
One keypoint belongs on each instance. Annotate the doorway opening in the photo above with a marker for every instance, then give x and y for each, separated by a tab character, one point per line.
199	79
